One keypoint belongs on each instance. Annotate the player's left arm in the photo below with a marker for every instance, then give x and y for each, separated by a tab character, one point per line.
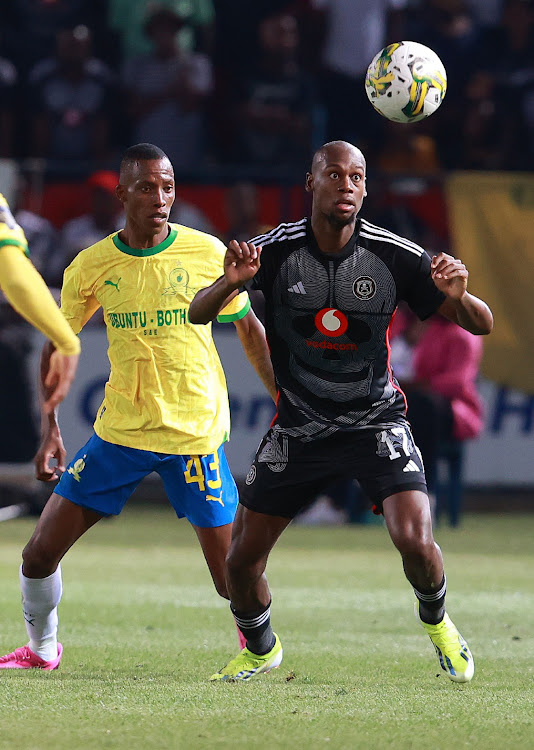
450	276
78	304
252	336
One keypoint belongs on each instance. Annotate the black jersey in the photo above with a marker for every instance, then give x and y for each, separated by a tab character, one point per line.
327	320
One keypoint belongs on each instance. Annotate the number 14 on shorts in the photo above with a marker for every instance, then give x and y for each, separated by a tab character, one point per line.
394	443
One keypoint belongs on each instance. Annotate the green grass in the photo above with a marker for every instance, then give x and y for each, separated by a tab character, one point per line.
143	630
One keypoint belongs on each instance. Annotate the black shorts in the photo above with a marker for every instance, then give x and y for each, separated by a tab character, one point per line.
287	474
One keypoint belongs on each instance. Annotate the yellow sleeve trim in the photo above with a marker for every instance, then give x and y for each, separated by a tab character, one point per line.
230	317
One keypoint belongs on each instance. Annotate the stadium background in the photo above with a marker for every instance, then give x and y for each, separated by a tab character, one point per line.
461	180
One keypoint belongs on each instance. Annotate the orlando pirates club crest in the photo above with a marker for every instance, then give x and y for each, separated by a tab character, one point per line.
364	287
251	476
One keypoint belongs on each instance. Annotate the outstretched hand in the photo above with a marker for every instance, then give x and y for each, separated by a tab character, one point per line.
449	275
241	262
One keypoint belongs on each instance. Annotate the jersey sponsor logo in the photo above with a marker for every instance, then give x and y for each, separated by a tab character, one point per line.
178	280
142	318
411	466
77	468
364	287
109	282
275	452
331	345
331	322
297	288
251	476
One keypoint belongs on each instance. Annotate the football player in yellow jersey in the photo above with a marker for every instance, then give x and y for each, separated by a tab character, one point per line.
165	407
27	292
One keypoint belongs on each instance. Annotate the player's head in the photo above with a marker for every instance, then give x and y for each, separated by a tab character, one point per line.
337	182
161	27
146	187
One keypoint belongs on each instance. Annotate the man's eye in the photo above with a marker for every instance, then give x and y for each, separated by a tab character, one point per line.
334	175
357	177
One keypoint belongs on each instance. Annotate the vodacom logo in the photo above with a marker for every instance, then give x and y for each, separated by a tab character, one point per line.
331	322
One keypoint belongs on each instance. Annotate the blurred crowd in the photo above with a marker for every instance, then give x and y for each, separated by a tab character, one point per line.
218	82
247	90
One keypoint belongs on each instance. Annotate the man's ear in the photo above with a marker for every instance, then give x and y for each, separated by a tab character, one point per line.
119	192
309	182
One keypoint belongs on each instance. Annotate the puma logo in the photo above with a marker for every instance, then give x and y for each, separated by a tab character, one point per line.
215	499
113	283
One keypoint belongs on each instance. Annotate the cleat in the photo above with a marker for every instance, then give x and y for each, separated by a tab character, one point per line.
25	658
455	658
247	665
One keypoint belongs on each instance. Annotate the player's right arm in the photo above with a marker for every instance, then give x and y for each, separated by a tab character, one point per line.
241	263
51	447
252	337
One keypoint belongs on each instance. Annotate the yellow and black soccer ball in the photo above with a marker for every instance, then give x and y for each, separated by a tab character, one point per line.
406	82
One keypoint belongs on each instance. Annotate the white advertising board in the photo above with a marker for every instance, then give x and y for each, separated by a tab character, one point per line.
502	455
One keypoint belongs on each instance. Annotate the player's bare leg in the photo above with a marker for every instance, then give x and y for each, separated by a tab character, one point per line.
254	536
409	523
215	543
408	518
60	525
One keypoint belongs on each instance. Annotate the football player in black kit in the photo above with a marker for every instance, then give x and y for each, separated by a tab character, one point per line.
331	286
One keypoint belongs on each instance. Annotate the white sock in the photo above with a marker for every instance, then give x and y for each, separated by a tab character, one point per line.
40	597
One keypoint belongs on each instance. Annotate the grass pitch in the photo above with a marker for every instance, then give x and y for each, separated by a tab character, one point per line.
143	629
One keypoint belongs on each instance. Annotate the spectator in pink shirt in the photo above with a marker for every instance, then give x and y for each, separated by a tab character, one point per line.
440	386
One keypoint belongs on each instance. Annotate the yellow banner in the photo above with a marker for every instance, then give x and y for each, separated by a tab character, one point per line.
492	228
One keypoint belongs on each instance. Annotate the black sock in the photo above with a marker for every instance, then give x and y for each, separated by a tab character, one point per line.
432	603
256	627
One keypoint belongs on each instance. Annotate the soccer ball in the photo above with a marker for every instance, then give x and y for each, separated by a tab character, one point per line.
406	82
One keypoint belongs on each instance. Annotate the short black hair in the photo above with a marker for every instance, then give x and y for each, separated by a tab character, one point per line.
141	152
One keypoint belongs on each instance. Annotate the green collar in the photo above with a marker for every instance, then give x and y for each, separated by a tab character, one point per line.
148	250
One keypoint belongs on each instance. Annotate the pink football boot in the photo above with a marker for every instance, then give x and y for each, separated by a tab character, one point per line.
24	658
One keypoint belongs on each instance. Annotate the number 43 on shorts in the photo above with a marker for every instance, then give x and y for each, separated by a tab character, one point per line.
204	470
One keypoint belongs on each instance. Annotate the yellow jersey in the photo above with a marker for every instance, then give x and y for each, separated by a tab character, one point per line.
25	288
10	232
166	390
